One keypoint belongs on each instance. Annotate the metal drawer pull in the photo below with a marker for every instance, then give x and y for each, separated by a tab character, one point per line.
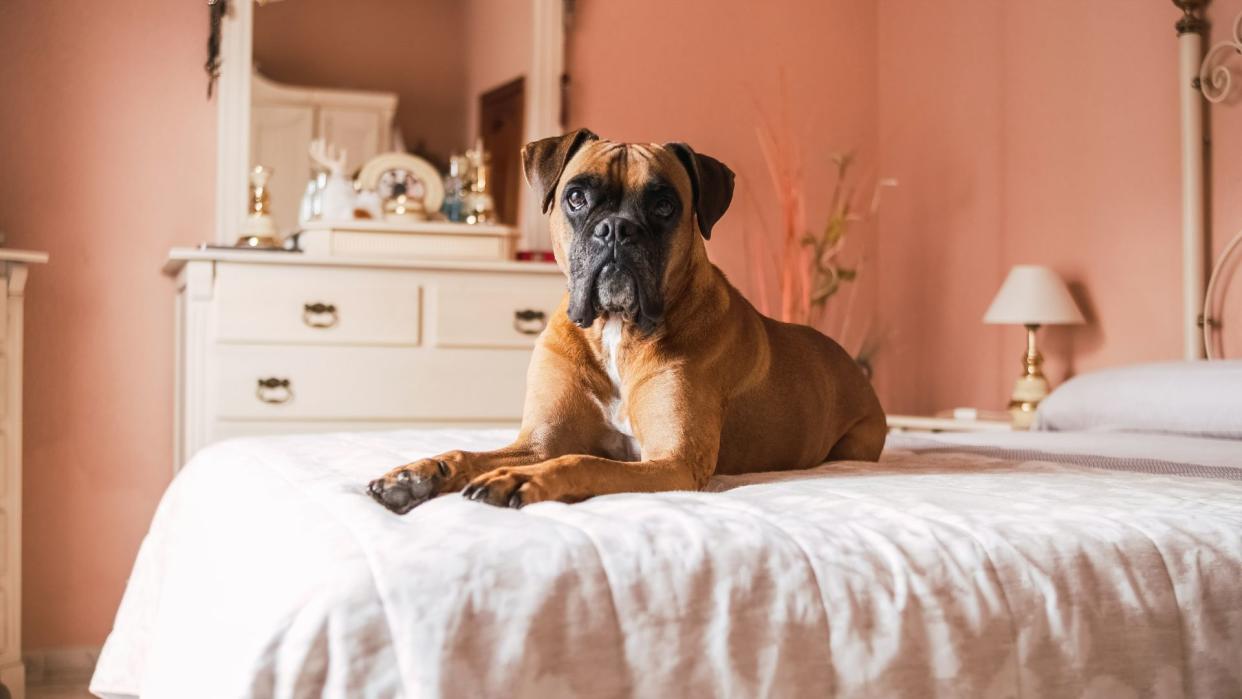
528	321
313	314
274	390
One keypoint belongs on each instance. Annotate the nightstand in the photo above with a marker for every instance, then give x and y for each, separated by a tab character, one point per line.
948	423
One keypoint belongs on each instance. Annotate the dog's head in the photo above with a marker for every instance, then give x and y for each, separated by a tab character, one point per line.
624	218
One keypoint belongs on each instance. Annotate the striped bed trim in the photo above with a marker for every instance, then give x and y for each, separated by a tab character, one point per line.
1155	467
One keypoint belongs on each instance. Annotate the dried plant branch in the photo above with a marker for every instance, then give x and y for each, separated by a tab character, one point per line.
812	265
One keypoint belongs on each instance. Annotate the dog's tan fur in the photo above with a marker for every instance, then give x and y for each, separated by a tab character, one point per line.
716	388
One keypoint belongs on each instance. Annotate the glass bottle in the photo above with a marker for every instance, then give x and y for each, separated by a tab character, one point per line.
453	189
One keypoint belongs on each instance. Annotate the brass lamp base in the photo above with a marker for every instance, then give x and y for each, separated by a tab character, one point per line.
1031	387
1028	391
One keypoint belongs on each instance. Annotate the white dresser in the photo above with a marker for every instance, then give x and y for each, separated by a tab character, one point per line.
14	265
275	342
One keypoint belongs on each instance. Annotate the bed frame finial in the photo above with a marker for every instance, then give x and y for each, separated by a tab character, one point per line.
1192	21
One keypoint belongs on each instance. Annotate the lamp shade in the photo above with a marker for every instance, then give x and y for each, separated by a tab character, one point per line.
1033	295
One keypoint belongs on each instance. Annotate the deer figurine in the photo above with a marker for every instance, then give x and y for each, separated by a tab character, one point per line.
338	194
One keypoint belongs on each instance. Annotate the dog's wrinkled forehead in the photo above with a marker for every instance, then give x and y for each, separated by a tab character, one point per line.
704	183
628	169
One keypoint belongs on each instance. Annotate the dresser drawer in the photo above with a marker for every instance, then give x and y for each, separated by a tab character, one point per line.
369	383
492	310
270	304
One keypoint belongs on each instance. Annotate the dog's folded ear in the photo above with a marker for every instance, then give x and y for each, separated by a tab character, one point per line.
711	182
544	161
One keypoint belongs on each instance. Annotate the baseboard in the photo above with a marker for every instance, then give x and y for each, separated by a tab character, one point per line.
60	666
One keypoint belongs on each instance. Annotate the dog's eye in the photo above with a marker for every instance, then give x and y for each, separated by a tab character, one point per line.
663	208
576	198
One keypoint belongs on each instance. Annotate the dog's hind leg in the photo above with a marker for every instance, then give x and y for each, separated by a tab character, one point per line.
863	442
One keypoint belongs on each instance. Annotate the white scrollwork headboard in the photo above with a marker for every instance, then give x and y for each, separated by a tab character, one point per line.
1212	320
1215	76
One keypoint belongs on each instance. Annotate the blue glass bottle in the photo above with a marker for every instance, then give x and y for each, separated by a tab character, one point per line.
453	188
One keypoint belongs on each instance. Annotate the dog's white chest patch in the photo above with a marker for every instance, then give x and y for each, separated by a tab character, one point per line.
612	345
614	411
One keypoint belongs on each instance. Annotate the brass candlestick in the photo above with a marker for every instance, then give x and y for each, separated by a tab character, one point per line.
260	229
478	205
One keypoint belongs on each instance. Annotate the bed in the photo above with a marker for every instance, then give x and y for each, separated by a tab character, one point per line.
1088	562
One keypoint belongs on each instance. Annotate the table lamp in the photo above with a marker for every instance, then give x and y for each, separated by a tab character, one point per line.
1031	296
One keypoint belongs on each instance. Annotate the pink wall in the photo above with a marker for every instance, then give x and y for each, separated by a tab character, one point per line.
413	48
108	149
940	232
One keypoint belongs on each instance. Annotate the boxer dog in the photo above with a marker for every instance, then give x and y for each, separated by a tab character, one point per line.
654	372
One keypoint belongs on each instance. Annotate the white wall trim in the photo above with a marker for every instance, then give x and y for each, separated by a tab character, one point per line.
233	120
543	105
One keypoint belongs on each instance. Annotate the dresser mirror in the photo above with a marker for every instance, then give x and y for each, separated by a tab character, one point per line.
426	77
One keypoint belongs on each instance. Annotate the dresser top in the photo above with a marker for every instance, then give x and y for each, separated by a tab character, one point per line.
179	257
27	256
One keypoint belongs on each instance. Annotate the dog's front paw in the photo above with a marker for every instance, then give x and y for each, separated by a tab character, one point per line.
406	487
508	487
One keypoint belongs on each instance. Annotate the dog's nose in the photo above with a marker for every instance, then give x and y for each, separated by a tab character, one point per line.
614	230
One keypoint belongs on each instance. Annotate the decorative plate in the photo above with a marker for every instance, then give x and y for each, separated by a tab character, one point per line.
418	178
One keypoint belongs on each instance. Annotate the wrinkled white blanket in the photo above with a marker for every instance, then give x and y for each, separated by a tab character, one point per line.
268	572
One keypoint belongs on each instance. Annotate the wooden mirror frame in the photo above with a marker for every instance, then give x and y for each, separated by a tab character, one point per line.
232	94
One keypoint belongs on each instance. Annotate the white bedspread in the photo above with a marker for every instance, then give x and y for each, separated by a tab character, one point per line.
268	572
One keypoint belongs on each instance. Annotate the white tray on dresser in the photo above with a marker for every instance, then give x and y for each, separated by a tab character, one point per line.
277	342
419	240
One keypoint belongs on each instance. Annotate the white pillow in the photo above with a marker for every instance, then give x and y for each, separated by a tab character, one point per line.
1202	399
